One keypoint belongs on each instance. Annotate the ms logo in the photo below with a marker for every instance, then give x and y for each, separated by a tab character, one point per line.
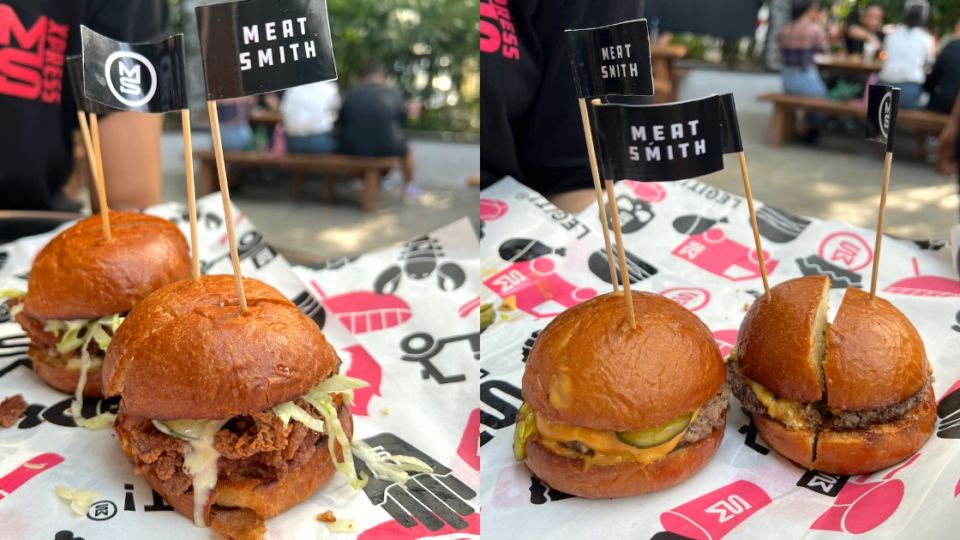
884	113
132	79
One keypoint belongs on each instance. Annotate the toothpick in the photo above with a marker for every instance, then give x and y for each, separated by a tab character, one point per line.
191	193
592	155
87	144
621	255
887	164
225	195
98	178
753	222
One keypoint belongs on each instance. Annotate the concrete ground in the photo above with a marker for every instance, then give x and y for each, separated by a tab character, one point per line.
309	229
839	178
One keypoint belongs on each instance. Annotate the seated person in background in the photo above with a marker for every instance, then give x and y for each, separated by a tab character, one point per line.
371	120
309	112
910	49
943	83
863	28
799	42
235	131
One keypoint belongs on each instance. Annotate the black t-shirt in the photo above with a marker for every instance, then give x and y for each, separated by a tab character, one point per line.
37	111
943	83
371	120
529	117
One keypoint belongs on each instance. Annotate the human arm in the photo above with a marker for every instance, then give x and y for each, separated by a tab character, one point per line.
946	156
132	166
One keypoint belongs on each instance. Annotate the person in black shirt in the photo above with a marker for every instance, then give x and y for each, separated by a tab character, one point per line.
863	28
371	120
530	122
38	111
943	82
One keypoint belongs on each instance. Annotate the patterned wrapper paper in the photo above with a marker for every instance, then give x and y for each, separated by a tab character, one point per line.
692	242
402	411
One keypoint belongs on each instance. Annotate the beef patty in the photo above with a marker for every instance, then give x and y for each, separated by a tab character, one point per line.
712	415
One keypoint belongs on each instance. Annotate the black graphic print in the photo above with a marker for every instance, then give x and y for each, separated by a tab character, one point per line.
635	214
541	493
3	259
14	345
779	226
930	245
525	249
505	407
333	264
693	224
528	345
66	535
206	219
249	246
822	483
665	535
948	410
435	500
420	259
637	268
840	278
956	327
750	432
311	308
422	347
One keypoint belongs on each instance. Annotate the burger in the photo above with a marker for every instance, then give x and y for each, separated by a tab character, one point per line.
232	417
611	411
849	397
80	287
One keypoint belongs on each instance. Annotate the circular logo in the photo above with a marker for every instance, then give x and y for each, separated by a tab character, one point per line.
102	510
131	77
692	298
846	250
883	114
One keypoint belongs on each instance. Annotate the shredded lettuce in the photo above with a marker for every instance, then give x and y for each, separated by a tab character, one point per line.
390	467
11	293
323	403
342	526
289	410
80	500
77	333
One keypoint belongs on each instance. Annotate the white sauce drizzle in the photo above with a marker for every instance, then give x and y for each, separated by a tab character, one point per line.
200	458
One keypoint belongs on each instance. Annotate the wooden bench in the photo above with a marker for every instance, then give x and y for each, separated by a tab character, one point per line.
369	168
785	107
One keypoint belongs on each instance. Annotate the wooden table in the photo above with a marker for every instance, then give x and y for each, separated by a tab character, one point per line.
665	74
847	63
264	117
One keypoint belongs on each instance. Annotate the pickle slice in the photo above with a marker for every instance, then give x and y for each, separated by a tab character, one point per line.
648	438
525	426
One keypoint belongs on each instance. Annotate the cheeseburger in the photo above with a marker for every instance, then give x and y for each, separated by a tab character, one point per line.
80	287
233	418
848	397
609	411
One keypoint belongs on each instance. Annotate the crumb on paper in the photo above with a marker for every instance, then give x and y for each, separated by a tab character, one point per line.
342	526
385	411
327	517
80	499
746	307
11	409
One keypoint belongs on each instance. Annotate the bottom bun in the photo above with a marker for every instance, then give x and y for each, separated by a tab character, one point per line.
65	379
623	479
859	451
265	499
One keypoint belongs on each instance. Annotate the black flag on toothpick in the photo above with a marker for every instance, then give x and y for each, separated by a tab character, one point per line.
882	105
75	72
611	60
256	46
139	77
729	125
674	141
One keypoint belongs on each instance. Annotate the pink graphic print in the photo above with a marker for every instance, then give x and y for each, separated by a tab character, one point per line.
468	307
492	209
363	366
468	449
918	285
365	311
392	530
712	516
846	250
862	506
652	192
532	284
692	298
723	257
726	340
32	467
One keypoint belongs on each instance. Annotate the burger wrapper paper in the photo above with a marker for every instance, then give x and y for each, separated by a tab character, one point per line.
693	243
395	316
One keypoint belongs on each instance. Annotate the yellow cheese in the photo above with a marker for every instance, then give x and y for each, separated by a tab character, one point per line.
784	410
607	448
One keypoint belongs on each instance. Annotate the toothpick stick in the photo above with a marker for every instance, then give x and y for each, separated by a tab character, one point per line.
87	144
753	221
592	155
225	195
887	164
621	255
191	193
98	178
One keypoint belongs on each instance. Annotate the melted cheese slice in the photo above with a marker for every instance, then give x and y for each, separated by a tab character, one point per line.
607	448
784	410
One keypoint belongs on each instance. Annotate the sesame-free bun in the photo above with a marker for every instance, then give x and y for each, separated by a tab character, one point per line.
81	275
780	342
875	356
589	369
622	479
856	451
60	377
186	352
